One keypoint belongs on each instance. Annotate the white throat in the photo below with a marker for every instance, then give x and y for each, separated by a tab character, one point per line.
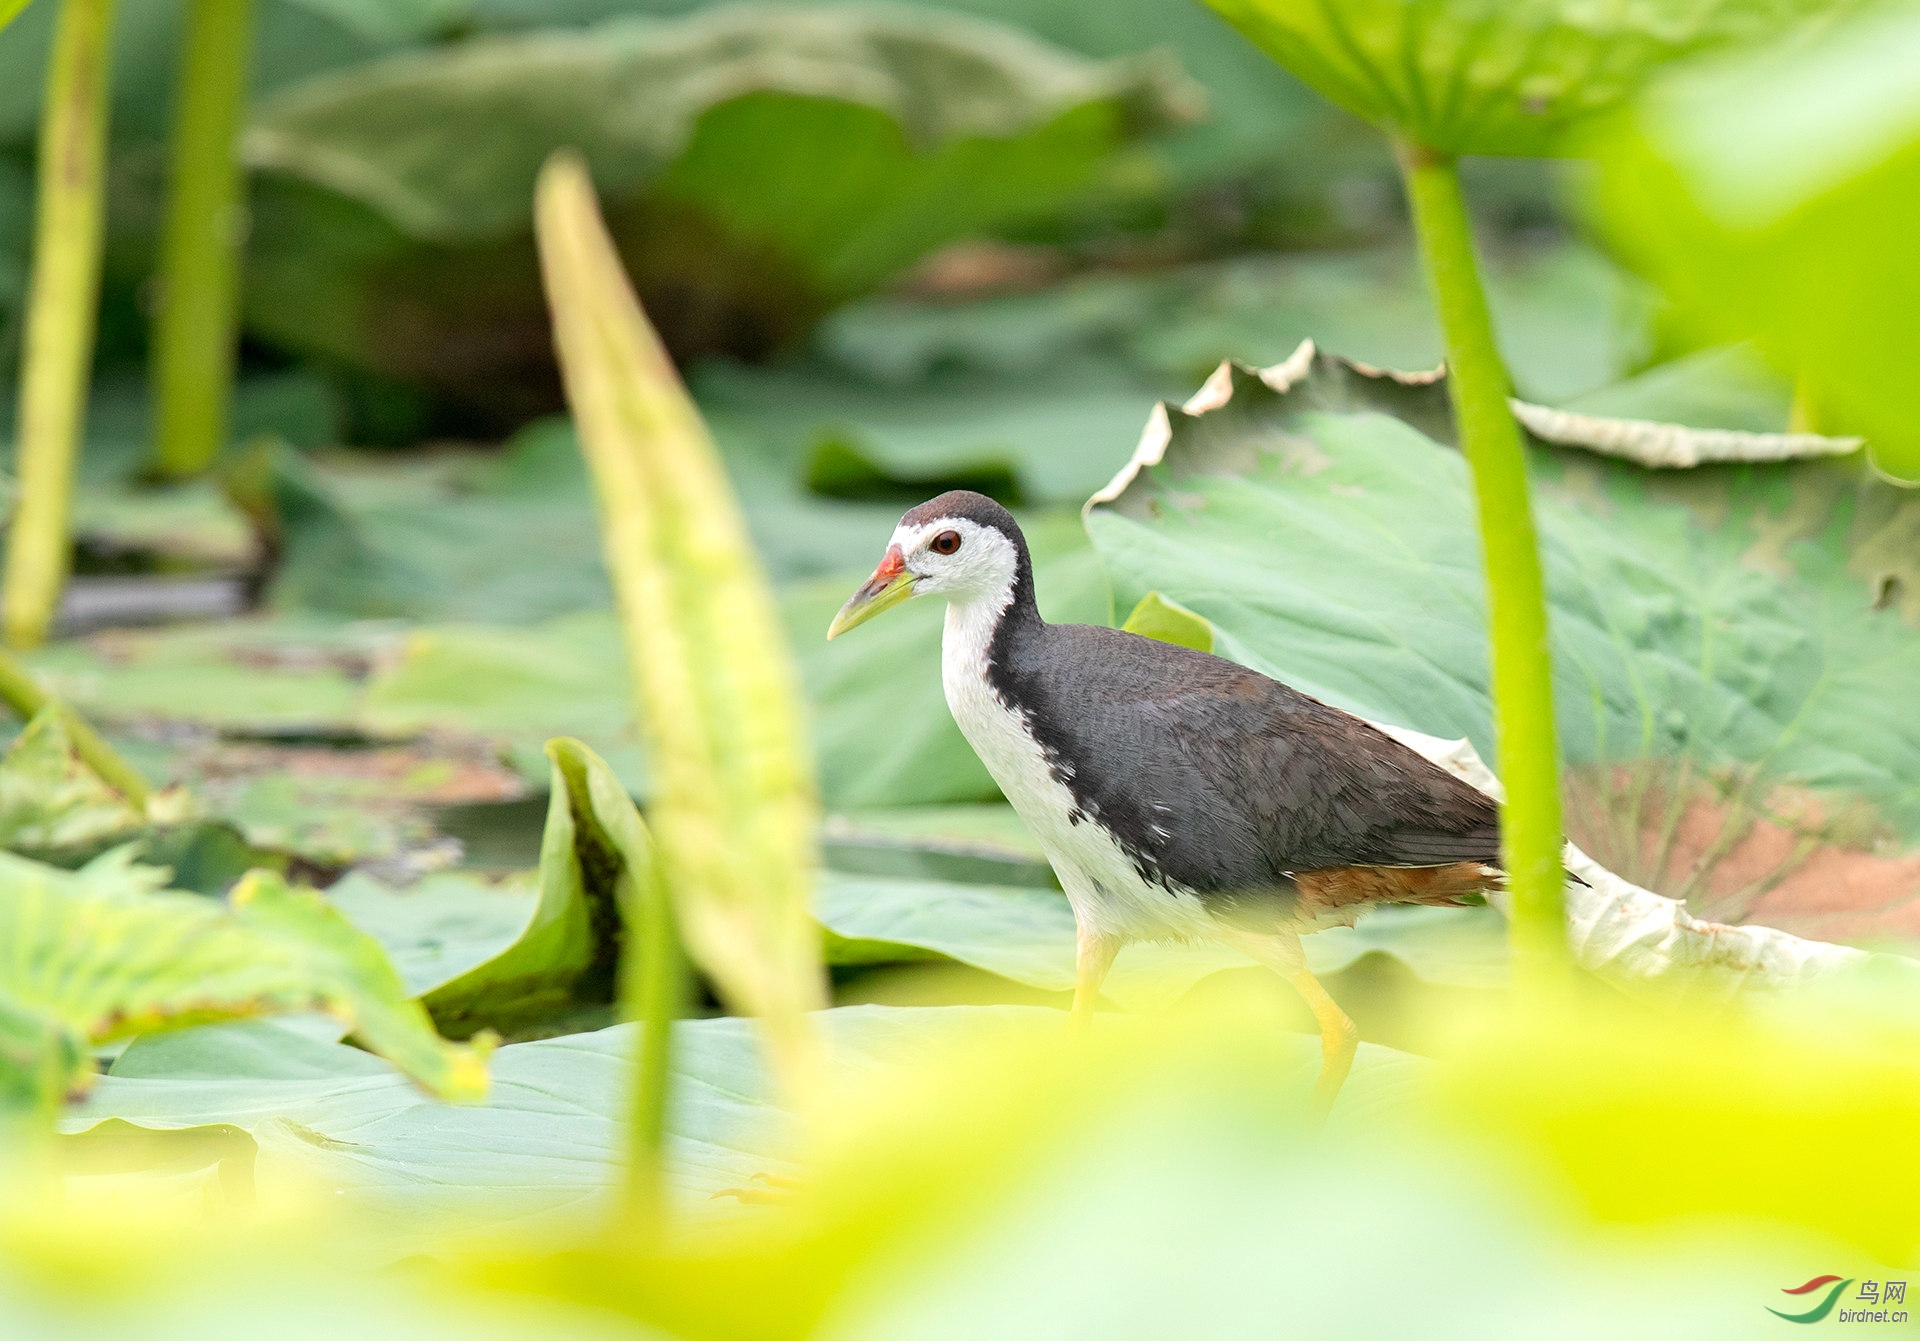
968	638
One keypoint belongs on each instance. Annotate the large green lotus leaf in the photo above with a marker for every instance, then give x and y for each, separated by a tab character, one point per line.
566	956
514	687
759	164
279	679
1772	195
1744	619
368	536
105	956
1259	119
547	1143
1492	76
544	1152
882	733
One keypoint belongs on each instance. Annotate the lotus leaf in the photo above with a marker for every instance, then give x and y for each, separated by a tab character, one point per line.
1740	622
1492	76
761	164
101	955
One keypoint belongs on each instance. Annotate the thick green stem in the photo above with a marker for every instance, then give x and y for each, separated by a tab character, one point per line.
655	990
200	252
1529	754
19	692
61	313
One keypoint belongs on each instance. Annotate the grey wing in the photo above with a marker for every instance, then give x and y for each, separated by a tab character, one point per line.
1230	780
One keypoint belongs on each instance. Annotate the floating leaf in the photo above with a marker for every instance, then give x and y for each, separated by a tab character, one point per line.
514	687
50	800
442	925
982	844
545	1149
103	955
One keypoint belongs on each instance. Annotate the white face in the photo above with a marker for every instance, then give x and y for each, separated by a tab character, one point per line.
981	563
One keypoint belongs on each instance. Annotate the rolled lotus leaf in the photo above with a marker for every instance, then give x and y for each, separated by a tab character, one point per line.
760	165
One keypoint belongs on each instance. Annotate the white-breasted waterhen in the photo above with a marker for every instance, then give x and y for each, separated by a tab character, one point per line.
1178	796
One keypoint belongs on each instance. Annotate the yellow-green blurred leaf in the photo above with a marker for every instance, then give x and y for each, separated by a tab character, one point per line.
1773	194
107	957
733	808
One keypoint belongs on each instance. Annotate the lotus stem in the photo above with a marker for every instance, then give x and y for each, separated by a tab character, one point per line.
20	692
1528	749
200	250
61	304
654	986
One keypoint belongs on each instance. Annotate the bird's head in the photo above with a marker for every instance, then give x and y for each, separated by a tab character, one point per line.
961	545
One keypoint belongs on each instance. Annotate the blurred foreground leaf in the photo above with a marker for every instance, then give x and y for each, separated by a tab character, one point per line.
762	164
1586	1173
1772	194
104	956
733	807
543	1152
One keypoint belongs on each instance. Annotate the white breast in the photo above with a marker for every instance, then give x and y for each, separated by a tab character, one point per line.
1105	890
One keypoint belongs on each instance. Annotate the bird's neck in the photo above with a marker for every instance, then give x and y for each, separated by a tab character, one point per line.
982	627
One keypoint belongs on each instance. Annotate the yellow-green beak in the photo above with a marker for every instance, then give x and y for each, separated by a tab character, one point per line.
890	584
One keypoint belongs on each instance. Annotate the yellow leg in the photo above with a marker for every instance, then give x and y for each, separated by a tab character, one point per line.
1093	957
1338	1039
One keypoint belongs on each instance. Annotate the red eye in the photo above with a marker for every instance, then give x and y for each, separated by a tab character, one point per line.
946	542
